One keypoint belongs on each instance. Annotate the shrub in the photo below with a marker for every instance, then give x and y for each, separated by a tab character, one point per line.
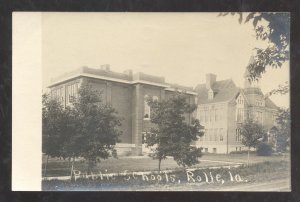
264	149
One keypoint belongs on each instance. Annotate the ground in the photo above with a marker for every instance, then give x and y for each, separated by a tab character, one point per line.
264	174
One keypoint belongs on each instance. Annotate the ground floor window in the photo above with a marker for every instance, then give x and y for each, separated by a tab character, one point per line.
238	136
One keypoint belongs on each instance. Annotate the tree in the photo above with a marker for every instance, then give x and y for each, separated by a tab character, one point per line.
96	127
53	128
273	28
283	132
252	134
172	134
87	128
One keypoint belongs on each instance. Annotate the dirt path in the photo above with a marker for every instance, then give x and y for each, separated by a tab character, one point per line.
275	185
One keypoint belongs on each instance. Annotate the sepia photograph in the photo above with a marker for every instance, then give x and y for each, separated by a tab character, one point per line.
160	101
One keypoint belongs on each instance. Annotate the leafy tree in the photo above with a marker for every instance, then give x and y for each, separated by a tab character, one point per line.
172	134
87	128
252	134
283	132
53	128
273	28
96	127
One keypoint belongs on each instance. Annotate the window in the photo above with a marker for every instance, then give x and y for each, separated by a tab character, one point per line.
221	134
206	114
147	109
201	113
214	150
259	116
240	115
72	92
221	111
212	115
143	137
58	94
216	114
210	134
240	100
206	135
238	137
259	102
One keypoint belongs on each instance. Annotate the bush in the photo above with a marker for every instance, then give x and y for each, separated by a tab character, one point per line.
264	149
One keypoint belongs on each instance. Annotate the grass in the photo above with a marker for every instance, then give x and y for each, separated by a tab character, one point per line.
58	167
263	171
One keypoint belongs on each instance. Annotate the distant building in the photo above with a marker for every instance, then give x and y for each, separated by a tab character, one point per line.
127	93
222	106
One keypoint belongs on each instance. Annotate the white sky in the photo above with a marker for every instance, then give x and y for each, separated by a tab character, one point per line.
182	47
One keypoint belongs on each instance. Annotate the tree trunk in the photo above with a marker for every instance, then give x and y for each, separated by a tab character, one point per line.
72	168
159	162
45	169
89	170
248	156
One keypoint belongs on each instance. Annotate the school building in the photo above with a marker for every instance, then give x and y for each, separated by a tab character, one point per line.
222	106
127	92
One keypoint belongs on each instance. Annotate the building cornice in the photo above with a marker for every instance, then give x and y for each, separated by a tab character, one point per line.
167	87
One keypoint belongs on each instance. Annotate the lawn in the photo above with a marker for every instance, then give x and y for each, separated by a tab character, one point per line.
58	167
204	179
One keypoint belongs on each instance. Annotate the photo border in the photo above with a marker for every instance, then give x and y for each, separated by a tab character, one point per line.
142	6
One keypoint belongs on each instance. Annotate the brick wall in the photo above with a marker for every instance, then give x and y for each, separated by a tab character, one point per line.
121	101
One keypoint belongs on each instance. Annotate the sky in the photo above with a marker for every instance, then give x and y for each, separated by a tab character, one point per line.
182	47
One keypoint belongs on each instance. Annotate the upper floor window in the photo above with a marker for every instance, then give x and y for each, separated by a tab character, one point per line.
240	115
240	100
259	102
58	94
72	92
206	113
147	109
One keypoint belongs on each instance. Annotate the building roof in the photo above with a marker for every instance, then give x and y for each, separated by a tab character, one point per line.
224	90
255	90
127	77
270	104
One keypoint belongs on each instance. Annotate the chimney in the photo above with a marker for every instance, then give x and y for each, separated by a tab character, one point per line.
105	67
128	72
210	80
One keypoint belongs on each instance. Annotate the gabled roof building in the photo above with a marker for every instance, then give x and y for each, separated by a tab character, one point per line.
222	106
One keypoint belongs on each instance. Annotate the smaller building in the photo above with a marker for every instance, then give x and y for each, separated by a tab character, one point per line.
222	107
